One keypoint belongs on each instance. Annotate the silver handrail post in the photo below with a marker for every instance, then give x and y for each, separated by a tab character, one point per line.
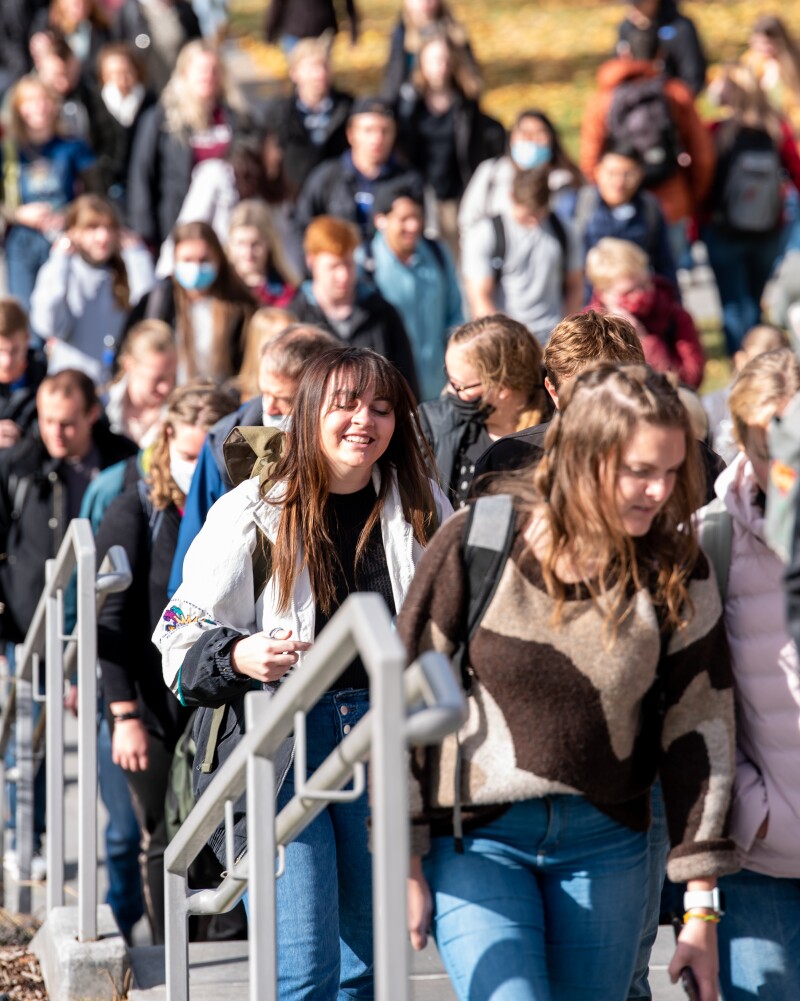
87	730
261	861
24	785
385	658
54	745
176	936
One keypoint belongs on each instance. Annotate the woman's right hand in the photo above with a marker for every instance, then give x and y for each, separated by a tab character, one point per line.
266	659
420	905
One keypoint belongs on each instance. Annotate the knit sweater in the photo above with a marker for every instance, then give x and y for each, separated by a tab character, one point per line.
553	710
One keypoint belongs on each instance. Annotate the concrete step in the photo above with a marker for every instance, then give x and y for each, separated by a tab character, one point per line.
215	967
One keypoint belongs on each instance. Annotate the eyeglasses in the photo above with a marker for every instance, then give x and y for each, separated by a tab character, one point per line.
459	389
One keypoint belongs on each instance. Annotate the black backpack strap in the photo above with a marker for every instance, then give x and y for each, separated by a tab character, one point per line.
18	487
560	233
436	249
499	253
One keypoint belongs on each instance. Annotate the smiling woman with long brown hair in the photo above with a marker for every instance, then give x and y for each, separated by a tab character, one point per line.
350	509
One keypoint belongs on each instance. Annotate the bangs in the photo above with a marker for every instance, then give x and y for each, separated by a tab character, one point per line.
91	218
353	377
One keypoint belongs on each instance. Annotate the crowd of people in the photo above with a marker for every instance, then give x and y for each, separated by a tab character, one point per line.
290	348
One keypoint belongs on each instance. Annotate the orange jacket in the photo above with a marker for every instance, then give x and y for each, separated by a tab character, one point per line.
681	194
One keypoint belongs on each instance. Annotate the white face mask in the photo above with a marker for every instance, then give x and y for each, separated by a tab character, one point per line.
181	470
281	421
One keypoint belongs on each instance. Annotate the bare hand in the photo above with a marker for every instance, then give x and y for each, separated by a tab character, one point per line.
36	215
265	659
130	745
9	433
71	699
420	906
697	948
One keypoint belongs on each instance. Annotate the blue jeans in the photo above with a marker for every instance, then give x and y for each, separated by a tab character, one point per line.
759	938
741	267
26	251
324	898
40	777
657	851
545	904
124	895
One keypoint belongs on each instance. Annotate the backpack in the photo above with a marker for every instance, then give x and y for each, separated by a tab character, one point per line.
640	114
485	544
716	541
751	197
501	246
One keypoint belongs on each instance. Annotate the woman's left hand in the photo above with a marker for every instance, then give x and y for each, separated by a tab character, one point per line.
697	948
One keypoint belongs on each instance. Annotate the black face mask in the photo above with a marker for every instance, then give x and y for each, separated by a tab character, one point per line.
471	410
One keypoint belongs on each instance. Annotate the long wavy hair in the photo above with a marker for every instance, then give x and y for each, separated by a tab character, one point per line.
749	105
94	210
200	404
787	49
303	539
256	213
184	113
574	490
505	355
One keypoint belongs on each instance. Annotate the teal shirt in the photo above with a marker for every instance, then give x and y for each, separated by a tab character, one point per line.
426	294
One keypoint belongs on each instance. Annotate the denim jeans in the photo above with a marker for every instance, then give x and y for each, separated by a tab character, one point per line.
26	251
545	904
40	776
657	851
122	838
741	266
324	898
759	938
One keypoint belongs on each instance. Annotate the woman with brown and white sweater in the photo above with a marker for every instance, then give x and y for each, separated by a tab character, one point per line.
599	663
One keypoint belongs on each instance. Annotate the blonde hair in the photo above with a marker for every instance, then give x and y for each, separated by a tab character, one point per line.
750	107
256	213
264	326
762	338
574	489
611	259
506	356
584	339
200	404
147	335
761	388
15	126
183	112
311	48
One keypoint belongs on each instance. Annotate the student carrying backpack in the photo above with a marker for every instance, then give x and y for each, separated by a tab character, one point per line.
750	179
640	114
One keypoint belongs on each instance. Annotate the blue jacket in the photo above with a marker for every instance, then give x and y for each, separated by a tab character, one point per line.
210	481
426	294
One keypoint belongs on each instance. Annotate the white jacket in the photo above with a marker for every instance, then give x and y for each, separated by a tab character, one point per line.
217	587
766	673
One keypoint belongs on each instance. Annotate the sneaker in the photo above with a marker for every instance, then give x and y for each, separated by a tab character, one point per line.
38	865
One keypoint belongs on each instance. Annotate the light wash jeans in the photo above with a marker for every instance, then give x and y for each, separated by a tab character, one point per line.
324	897
545	904
759	938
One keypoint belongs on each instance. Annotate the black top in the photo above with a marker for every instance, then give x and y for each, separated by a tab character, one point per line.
437	137
345	516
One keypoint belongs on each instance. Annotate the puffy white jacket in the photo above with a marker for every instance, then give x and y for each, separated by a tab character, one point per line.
217	587
766	672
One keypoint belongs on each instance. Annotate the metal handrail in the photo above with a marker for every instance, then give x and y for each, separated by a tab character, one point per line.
361	626
46	637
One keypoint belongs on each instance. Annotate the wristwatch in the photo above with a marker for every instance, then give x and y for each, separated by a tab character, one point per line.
711	900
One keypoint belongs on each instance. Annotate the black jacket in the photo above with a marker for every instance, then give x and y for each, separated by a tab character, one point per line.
113	142
478	137
130	24
130	662
33	520
526	448
19	405
300	155
679	43
331	188
16	24
159	175
449	432
400	63
375	324
306	18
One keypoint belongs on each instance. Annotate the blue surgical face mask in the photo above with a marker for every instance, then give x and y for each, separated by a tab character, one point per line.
195	277
527	155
